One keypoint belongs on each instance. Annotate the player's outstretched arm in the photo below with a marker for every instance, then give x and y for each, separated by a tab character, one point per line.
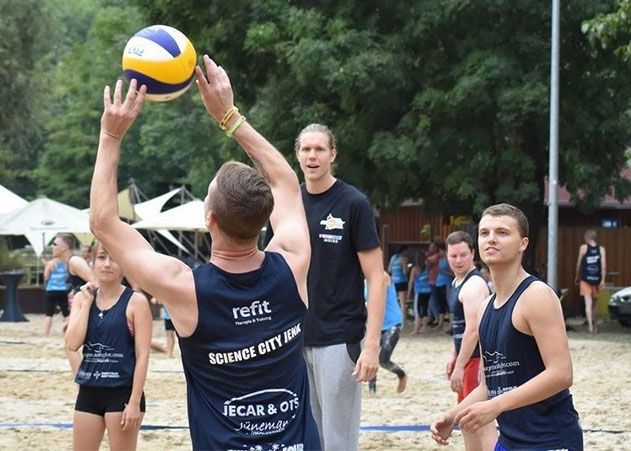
163	276
291	235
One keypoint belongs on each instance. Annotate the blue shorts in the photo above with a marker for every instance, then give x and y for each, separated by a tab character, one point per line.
500	447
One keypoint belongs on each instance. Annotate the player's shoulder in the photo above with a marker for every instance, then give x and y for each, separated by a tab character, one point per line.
351	192
475	281
539	294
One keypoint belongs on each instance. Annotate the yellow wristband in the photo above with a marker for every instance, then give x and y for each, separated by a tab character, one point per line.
235	126
226	117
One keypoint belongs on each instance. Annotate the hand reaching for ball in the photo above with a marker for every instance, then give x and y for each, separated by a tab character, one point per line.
119	115
214	88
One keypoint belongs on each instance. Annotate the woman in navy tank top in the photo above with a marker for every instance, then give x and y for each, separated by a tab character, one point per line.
113	324
525	351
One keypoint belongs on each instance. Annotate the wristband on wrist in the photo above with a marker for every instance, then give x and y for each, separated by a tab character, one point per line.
226	117
235	126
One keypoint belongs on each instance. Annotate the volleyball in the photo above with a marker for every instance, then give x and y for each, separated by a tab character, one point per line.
163	59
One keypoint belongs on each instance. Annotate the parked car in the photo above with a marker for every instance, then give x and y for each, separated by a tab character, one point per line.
620	306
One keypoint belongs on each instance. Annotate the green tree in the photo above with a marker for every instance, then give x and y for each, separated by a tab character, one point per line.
445	100
611	28
26	32
72	124
442	100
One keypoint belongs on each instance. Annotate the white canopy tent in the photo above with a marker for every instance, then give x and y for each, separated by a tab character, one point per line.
9	201
40	220
152	207
186	217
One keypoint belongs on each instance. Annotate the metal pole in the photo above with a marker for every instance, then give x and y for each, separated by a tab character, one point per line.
553	183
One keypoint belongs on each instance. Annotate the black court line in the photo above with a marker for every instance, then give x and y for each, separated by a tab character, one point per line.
382	428
12	342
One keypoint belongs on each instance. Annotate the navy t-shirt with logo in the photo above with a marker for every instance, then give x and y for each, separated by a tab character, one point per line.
341	223
247	385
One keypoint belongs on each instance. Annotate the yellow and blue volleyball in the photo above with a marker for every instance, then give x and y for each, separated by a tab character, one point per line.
163	59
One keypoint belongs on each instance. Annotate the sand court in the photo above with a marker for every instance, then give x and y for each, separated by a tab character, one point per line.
37	396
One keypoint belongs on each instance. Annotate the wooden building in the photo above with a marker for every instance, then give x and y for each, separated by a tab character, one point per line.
612	222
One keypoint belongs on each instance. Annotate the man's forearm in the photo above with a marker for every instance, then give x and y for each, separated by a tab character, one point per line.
268	160
477	394
376	308
103	200
469	342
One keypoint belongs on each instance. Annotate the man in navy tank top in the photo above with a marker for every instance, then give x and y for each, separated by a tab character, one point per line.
524	347
239	317
591	268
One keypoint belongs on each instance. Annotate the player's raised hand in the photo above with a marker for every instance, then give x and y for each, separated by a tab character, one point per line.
118	114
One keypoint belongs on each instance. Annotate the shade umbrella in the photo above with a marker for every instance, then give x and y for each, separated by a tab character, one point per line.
44	218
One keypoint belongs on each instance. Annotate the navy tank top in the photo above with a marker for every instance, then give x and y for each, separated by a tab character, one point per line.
75	282
512	358
457	310
109	356
591	268
247	385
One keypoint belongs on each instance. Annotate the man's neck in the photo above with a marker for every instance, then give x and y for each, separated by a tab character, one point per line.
235	259
506	278
321	185
65	257
591	243
460	277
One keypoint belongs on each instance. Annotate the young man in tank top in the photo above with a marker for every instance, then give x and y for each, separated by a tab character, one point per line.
239	317
468	292
591	268
524	346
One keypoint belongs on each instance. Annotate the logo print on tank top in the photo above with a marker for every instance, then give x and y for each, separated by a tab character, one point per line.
253	313
263	412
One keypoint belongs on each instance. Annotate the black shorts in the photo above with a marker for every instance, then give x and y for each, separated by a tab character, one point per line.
401	286
168	325
54	299
101	400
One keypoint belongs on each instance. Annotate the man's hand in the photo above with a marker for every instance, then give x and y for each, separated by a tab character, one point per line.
451	363
215	89
477	415
118	116
441	429
457	378
367	364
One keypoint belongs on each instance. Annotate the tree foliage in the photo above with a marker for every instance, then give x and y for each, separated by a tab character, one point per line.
611	28
445	100
25	40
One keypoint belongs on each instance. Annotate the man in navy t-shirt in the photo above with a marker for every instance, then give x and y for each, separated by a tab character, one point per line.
344	250
239	316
